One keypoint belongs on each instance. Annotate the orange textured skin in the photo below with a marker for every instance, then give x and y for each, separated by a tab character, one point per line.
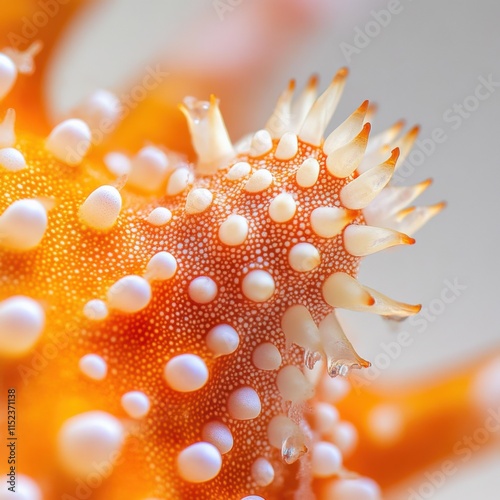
74	264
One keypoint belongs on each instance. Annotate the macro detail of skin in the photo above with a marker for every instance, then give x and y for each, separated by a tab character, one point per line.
182	317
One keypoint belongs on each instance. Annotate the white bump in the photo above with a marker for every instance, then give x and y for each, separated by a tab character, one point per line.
93	366
23	225
234	230
178	181
7	133
351	489
325	416
129	294
279	428
162	266
148	169
136	404
222	340
117	163
266	356
262	472
89	438
282	208
25	489
202	290
238	171
259	181
253	497
308	173
244	404
21	325
101	209
12	160
258	286
159	216
326	459
386	423
219	435
293	385
287	147
261	143
8	75
95	309
345	437
69	141
100	110
327	222
199	462
198	200
333	389
304	257
186	373
485	387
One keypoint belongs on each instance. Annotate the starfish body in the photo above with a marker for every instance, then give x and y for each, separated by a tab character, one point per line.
173	323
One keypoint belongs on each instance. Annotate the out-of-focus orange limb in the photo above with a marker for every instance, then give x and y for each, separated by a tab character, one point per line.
157	119
405	430
21	23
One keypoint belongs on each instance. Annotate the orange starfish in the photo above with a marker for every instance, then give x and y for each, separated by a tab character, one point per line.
122	423
195	303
